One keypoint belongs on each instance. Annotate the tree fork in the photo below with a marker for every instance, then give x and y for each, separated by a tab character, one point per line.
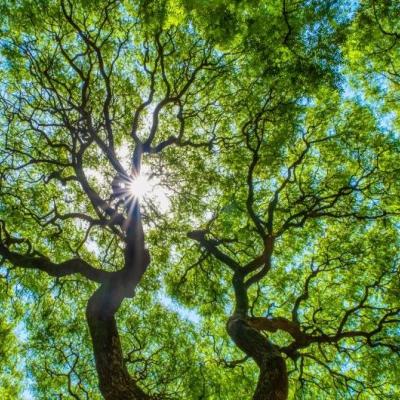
273	379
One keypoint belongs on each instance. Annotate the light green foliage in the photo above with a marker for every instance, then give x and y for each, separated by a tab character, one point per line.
10	369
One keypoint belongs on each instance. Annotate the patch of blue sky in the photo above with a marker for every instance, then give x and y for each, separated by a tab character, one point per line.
27	395
306	101
342	13
22	335
303	259
347	366
385	123
353	92
185	313
347	10
21	332
310	35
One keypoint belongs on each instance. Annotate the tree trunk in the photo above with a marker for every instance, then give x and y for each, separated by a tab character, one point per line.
114	380
273	380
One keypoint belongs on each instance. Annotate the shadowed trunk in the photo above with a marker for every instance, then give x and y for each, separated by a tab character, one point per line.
114	380
273	380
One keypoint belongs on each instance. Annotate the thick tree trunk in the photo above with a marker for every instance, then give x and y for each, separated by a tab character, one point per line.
273	380
114	380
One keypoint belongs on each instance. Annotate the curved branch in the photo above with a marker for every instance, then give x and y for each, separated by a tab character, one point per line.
211	247
65	268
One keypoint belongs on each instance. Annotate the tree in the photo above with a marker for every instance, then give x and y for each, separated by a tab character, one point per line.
272	209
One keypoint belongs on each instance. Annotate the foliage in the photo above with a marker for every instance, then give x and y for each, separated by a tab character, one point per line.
269	131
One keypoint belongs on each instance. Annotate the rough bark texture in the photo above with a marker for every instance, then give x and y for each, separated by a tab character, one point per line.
114	380
273	380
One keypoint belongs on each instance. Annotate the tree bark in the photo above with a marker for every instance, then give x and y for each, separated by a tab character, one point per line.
115	381
273	379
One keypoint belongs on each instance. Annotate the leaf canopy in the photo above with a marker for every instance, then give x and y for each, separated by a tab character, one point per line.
269	133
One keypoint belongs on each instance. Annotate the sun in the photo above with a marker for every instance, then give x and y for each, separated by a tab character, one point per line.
147	188
140	186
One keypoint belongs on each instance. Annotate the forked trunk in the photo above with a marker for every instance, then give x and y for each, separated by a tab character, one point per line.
273	380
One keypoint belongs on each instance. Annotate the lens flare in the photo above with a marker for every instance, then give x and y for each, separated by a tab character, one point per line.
139	186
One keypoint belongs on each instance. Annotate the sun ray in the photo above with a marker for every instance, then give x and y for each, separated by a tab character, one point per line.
140	186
